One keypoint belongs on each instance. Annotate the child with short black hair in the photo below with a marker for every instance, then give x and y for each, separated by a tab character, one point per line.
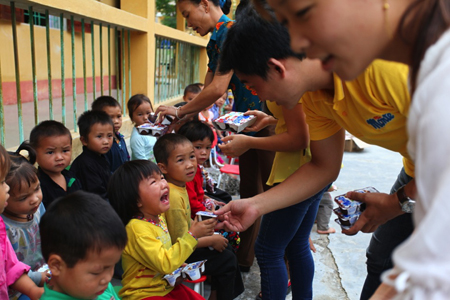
201	137
139	110
82	239
191	91
52	142
91	167
176	159
13	273
149	252
118	153
23	214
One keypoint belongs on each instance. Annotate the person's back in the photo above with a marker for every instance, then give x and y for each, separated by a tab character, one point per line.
118	154
91	166
82	239
52	142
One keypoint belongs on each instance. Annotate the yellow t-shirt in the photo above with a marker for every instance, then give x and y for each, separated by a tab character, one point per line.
148	256
373	107
179	214
284	163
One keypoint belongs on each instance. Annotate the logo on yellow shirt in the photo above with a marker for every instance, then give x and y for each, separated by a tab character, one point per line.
379	122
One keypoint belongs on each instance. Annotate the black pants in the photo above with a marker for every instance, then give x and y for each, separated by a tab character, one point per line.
224	270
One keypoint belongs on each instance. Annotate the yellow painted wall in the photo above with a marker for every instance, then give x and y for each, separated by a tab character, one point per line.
24	49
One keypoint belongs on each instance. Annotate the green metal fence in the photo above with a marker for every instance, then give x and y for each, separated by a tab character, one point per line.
16	123
177	65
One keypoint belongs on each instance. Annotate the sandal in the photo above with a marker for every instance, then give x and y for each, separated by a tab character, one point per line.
289	289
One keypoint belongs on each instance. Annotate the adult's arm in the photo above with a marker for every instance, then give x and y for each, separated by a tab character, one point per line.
207	97
295	138
309	179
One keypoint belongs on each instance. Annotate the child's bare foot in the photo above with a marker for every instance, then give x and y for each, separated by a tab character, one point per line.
330	230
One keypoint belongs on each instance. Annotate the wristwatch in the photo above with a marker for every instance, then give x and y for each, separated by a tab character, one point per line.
406	203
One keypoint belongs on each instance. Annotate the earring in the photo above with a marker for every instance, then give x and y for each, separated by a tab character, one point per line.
386	7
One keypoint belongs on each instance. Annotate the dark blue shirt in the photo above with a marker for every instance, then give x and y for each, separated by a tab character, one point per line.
118	154
51	190
244	99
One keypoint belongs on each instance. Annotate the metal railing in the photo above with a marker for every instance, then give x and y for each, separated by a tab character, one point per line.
177	65
115	86
53	73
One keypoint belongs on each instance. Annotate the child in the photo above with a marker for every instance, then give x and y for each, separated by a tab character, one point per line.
52	142
82	239
150	252
176	159
91	166
13	273
23	214
201	137
139	109
191	91
206	115
218	107
118	153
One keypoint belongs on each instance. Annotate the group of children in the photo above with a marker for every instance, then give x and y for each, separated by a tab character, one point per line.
66	225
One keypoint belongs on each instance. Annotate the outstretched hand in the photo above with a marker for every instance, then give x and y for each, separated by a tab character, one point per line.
380	208
164	110
238	215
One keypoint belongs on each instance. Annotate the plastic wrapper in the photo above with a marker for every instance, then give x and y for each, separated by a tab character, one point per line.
234	121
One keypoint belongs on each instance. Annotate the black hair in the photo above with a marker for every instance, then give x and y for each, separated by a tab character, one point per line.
225	5
5	162
104	101
22	170
166	144
135	101
251	42
193	88
46	129
78	223
91	117
125	200
196	131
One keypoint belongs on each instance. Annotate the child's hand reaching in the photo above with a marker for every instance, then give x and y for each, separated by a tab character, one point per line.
219	243
45	277
204	228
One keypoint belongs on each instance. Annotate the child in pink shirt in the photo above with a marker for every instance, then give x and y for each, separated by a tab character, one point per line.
12	272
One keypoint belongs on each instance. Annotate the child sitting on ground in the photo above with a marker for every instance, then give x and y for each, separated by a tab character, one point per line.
23	214
13	273
139	110
176	159
118	153
82	239
150	252
91	166
52	142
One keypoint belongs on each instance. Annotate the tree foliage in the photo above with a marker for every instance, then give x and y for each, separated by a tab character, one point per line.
169	12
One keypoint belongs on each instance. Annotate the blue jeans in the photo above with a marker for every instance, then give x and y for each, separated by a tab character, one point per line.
286	231
383	242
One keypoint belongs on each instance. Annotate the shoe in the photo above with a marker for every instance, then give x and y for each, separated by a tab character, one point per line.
244	269
289	289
